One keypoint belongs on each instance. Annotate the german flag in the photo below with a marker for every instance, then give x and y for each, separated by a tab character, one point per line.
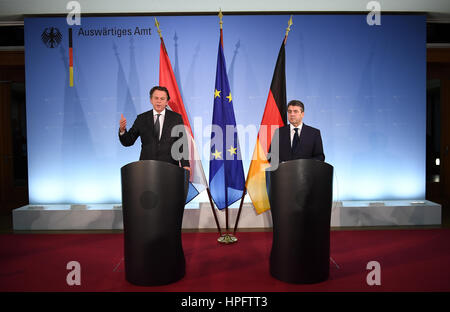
274	117
70	58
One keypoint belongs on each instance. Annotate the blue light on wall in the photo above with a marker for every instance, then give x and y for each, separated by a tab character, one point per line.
363	87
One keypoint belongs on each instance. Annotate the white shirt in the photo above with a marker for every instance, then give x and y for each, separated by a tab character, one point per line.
161	120
293	131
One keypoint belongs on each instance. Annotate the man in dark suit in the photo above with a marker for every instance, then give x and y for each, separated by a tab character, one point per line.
296	140
155	129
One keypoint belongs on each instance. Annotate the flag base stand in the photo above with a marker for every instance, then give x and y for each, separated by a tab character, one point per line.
227	239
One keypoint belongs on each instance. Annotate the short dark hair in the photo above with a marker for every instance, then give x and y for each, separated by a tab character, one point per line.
297	103
160	88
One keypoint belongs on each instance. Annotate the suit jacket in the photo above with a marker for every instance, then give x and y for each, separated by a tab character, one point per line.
309	147
151	148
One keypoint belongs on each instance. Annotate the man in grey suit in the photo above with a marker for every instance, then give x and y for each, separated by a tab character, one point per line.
155	129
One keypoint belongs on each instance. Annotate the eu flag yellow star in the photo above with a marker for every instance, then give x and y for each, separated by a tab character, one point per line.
232	150
217	155
229	98
216	93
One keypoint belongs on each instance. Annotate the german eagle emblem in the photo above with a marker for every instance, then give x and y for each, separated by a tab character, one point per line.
51	37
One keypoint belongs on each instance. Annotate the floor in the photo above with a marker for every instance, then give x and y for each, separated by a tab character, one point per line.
407	261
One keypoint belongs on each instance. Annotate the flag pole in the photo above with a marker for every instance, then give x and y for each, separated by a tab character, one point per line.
207	188
245	188
214	211
239	211
226	238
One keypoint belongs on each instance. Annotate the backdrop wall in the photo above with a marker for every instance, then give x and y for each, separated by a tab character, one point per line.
363	87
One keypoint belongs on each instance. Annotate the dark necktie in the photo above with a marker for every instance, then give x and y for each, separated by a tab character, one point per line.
295	140
157	127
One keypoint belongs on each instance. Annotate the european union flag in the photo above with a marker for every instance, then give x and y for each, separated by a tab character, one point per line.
226	173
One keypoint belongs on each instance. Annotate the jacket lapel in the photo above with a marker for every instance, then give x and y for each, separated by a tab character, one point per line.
151	122
285	144
166	126
303	133
303	137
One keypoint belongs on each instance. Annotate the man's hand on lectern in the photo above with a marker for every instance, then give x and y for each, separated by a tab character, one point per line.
123	123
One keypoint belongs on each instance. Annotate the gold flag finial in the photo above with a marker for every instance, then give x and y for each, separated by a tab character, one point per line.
288	29
289	26
157	26
220	17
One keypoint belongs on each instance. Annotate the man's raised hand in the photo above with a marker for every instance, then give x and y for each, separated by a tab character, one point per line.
123	123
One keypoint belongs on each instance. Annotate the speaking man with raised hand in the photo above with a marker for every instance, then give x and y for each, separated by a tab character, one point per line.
154	127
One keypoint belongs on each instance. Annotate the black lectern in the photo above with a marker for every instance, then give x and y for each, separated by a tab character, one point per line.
153	198
300	193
